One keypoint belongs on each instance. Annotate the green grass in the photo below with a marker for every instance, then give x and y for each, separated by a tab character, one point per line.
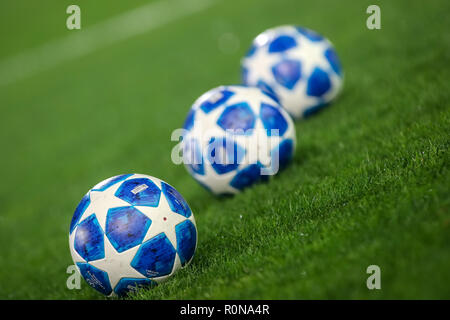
369	183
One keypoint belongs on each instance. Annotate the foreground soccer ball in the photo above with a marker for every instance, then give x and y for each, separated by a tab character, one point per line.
298	65
131	230
236	136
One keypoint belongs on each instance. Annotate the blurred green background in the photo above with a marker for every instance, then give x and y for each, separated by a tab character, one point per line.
369	183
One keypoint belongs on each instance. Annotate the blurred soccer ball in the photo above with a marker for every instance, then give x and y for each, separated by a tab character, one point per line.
297	65
236	136
131	230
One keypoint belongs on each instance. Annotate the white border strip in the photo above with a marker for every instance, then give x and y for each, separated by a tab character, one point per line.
84	41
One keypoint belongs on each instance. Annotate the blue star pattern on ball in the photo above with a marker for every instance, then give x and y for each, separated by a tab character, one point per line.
126	227
131	231
232	140
297	65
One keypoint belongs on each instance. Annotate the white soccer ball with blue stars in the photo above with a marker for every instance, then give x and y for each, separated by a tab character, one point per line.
236	136
297	65
129	231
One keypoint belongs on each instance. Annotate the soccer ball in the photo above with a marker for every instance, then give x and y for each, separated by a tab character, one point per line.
129	231
235	136
295	64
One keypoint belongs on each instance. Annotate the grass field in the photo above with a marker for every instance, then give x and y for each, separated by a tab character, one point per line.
369	183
